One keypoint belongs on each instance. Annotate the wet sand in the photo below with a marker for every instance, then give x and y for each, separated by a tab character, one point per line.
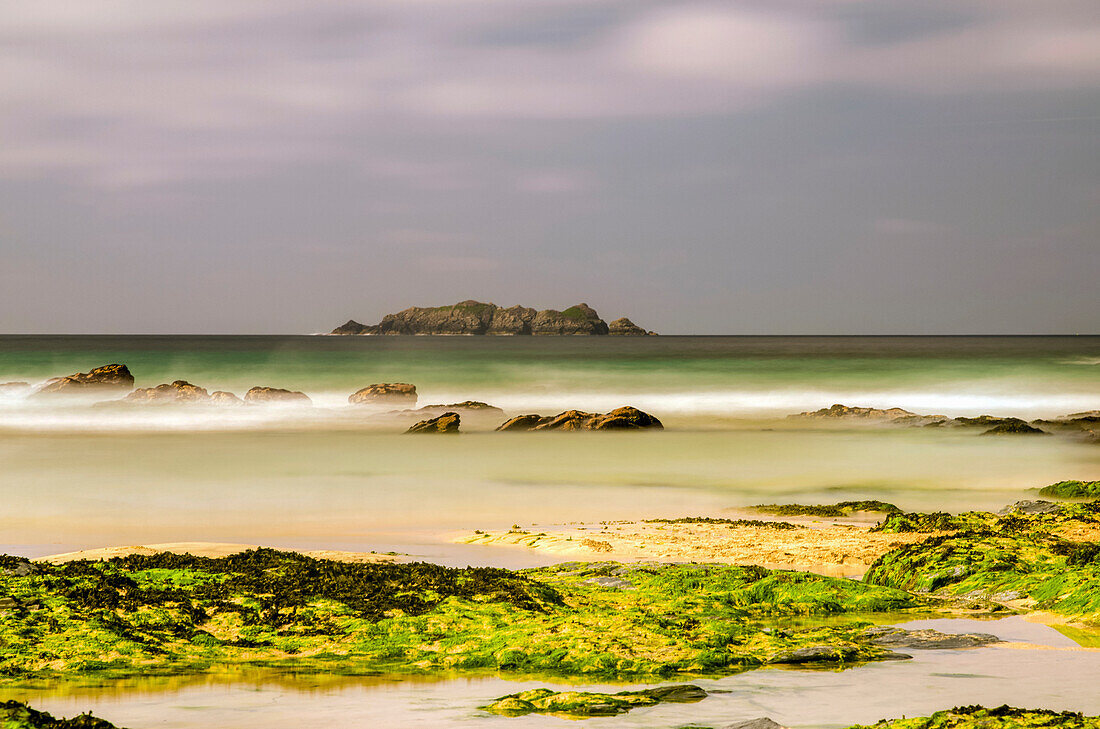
838	548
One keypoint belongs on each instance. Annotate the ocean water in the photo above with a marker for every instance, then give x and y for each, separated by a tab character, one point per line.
74	474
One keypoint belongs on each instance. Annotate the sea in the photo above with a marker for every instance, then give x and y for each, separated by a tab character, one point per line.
80	473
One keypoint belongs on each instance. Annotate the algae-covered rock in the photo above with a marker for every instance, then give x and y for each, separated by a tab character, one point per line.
895	637
108	378
1072	489
445	423
979	717
584	704
17	715
276	394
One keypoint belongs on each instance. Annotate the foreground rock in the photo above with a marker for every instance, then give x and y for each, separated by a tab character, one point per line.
445	423
178	392
105	379
17	715
478	318
584	704
384	393
276	394
624	418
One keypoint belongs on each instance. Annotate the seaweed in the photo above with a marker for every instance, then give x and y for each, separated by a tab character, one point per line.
17	715
842	508
730	522
1002	717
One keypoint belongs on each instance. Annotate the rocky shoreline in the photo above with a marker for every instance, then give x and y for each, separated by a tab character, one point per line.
478	318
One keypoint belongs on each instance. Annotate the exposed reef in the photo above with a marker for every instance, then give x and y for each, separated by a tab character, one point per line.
170	612
840	509
478	318
1072	490
624	418
979	717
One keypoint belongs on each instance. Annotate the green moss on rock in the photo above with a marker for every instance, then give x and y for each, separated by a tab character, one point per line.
843	508
1072	489
585	704
979	717
17	715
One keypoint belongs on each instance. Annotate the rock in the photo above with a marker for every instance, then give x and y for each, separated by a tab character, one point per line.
626	417
984	421
179	391
1014	428
625	328
466	406
1071	490
480	318
579	319
762	723
445	423
523	422
894	637
385	392
894	416
354	327
275	394
684	693
816	654
110	377
515	320
221	397
14	388
1031	507
614	583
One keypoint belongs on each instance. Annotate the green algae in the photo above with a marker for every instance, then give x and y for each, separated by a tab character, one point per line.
979	717
171	613
17	715
1072	489
580	704
728	522
842	508
1005	558
903	522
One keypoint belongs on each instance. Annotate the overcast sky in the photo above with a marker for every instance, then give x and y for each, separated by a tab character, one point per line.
782	166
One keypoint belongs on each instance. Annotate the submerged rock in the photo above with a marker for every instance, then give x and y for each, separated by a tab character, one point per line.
384	392
624	418
466	406
275	394
112	377
445	423
894	637
14	387
179	391
817	654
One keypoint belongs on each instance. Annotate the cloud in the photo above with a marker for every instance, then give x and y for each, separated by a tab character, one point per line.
127	93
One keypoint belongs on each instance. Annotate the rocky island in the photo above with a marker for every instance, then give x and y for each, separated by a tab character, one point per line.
475	317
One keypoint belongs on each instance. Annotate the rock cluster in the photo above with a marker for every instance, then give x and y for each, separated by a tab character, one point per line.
624	418
177	392
477	318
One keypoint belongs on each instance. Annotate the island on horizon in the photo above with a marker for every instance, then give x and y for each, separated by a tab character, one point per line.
478	318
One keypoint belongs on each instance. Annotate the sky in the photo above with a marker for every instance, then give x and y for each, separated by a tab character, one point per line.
772	167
